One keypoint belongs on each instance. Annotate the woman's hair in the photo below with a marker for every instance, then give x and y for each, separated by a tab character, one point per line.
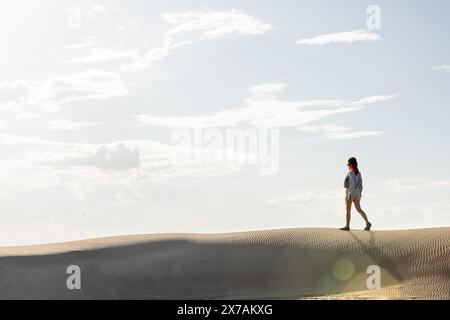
353	164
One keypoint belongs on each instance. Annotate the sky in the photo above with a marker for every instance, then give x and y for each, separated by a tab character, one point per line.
220	116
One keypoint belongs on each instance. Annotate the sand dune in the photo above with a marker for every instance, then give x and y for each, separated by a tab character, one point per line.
287	264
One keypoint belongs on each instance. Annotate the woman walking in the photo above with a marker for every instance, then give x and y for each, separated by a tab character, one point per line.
353	189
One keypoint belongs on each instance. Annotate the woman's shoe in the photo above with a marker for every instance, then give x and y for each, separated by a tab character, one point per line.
368	226
346	228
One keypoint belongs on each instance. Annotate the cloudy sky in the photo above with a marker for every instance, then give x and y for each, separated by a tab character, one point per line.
93	95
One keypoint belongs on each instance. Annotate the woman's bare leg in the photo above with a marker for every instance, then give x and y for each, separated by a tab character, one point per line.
348	207
361	212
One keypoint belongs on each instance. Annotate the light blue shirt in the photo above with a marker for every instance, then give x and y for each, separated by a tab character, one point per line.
353	183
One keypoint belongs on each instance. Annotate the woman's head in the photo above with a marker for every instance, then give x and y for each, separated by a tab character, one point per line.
352	164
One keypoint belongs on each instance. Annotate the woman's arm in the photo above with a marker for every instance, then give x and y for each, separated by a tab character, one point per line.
352	184
360	183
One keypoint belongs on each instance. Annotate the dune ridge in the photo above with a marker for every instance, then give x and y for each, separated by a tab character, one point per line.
308	263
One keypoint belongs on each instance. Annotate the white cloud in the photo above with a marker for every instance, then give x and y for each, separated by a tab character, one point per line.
106	55
335	132
311	207
130	25
80	12
22	97
115	157
404	186
34	163
348	37
373	99
436	210
90	84
28	115
63	124
13	93
86	43
264	109
215	24
119	27
307	197
92	183
155	54
444	67
267	89
92	9
207	24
